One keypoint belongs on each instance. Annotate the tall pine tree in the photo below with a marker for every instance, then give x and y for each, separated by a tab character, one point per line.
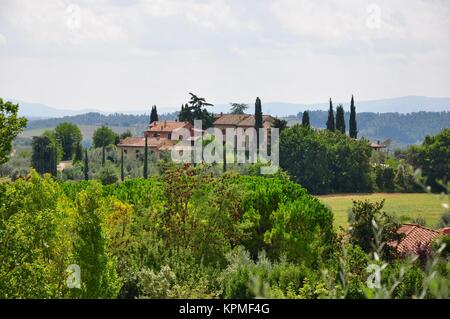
305	119
353	128
340	119
330	121
154	115
258	119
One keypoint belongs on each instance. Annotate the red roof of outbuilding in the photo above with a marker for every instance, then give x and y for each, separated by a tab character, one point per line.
416	237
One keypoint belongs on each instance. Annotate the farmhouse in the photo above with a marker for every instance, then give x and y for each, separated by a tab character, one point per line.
243	121
161	136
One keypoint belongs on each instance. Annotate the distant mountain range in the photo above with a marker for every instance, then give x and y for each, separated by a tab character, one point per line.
406	104
42	111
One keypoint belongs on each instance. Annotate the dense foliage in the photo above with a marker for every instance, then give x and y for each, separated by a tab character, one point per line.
140	226
104	136
186	235
10	126
432	156
69	137
325	162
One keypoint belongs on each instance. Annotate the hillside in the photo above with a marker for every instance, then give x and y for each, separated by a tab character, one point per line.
402	129
406	104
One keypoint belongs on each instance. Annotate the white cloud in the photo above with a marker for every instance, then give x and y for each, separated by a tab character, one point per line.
405	26
2	40
126	52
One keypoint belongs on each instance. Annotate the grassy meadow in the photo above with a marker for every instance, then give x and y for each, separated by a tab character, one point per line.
404	206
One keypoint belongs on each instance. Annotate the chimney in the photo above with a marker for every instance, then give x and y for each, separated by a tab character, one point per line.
165	123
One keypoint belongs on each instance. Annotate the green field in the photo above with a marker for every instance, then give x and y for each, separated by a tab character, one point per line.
401	205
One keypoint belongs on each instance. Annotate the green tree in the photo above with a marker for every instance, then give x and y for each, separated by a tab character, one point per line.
195	109
43	155
146	159
305	119
68	136
433	158
10	126
122	173
86	165
125	134
154	115
330	121
367	221
305	158
103	137
340	119
258	119
34	249
52	136
353	128
185	114
280	124
99	278
325	162
302	230
238	108
78	156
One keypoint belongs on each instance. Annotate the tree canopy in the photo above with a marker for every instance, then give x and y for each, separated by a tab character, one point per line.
104	136
238	108
68	136
10	126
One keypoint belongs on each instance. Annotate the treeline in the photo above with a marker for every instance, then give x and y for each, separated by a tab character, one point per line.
401	129
116	119
327	162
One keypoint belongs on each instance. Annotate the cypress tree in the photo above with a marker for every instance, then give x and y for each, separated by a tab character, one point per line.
122	175
258	119
146	159
86	165
305	119
353	128
154	115
55	161
43	153
78	153
340	119
330	121
103	155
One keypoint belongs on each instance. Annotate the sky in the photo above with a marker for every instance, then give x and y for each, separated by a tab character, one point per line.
117	55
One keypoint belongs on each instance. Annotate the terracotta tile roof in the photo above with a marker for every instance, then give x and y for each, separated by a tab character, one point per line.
245	120
415	237
168	126
140	142
230	119
445	230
